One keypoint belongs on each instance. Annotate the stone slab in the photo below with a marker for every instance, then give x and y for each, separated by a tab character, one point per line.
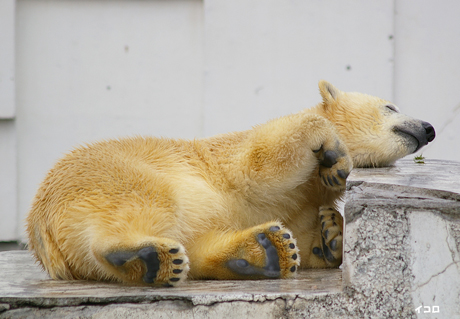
432	174
433	186
22	283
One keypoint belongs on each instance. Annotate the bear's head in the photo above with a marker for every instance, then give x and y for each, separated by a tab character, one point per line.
373	129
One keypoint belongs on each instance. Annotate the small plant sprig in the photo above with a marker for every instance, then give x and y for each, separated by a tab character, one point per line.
419	159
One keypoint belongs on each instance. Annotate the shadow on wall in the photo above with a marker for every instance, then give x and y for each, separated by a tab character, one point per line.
12	245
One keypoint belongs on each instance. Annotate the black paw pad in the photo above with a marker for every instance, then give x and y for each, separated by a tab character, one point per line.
318	252
272	267
119	258
343	174
150	258
242	267
272	264
242	263
329	159
148	255
327	252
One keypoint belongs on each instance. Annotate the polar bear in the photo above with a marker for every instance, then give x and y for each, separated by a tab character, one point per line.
246	205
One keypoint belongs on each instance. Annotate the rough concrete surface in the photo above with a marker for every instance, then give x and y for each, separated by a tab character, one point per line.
401	256
401	260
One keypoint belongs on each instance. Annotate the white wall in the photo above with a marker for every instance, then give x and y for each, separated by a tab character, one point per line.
265	58
427	69
89	70
93	69
8	146
7	72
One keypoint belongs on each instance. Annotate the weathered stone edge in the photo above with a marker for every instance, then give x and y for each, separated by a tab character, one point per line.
207	300
360	194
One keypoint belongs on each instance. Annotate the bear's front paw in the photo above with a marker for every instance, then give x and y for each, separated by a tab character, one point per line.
334	165
280	250
331	237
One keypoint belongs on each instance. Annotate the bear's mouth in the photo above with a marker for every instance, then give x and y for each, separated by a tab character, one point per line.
411	137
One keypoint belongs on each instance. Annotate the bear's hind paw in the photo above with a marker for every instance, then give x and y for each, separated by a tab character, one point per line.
156	264
281	254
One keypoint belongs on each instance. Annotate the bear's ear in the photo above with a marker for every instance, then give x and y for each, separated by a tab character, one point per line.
328	91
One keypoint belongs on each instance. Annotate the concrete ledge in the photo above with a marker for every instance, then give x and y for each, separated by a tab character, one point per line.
401	259
22	282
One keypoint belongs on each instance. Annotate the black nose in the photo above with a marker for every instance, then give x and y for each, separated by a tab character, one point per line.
429	130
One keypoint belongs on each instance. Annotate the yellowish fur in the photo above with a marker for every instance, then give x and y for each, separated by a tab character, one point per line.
211	196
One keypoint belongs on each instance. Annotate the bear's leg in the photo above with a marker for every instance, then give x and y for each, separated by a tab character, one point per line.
150	260
264	251
288	151
328	248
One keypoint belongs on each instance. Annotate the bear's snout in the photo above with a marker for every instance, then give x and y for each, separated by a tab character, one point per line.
416	133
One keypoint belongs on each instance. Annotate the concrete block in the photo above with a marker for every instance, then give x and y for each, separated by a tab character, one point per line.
401	254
